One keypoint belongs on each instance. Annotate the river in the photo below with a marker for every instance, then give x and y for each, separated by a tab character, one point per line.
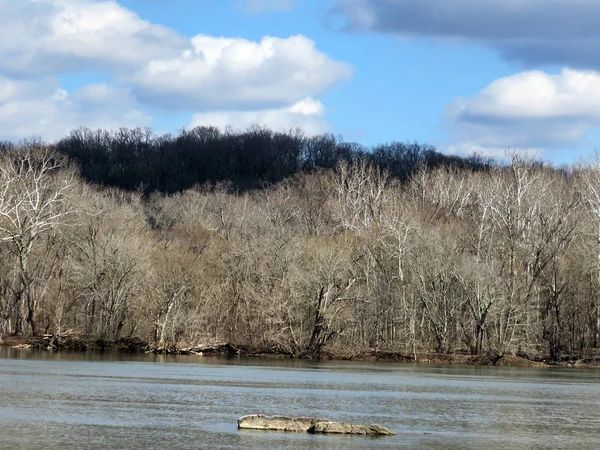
61	400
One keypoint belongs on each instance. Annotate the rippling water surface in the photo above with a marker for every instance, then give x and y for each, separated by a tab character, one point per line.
59	400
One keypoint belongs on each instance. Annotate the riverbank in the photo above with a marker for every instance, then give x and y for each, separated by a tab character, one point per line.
136	345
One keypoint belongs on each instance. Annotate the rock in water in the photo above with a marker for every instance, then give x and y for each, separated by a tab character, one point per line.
277	423
309	424
348	428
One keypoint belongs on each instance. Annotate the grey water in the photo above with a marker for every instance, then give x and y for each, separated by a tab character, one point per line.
61	400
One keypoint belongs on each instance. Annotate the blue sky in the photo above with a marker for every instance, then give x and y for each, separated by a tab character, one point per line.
462	75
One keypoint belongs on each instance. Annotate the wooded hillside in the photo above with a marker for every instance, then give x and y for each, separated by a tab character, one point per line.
298	245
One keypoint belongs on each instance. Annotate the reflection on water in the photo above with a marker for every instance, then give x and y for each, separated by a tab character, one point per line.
62	400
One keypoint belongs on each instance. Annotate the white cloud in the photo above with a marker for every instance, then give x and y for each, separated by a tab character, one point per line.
54	36
48	111
11	90
234	72
42	37
529	110
536	94
145	65
266	5
534	32
307	114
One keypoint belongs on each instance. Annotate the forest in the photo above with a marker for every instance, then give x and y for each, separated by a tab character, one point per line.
298	245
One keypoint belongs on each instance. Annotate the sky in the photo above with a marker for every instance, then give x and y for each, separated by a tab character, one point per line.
464	75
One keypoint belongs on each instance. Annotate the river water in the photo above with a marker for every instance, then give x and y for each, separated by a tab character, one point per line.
60	400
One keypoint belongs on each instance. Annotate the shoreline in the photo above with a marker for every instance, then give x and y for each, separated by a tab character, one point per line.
52	343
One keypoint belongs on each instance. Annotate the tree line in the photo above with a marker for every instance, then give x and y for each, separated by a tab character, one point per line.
138	159
366	252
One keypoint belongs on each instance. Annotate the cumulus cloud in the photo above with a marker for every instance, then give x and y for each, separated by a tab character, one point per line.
529	110
307	114
562	32
146	66
224	72
44	109
54	36
167	70
266	5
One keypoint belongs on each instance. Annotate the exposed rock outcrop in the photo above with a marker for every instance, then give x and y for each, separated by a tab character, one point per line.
348	428
276	423
309	425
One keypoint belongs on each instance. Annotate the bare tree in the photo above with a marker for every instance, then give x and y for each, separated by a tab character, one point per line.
360	190
110	253
588	183
172	283
33	202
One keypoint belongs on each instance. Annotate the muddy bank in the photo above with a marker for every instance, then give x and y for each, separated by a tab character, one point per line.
136	345
76	343
482	360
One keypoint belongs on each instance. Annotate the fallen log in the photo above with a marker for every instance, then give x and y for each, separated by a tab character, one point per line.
309	425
